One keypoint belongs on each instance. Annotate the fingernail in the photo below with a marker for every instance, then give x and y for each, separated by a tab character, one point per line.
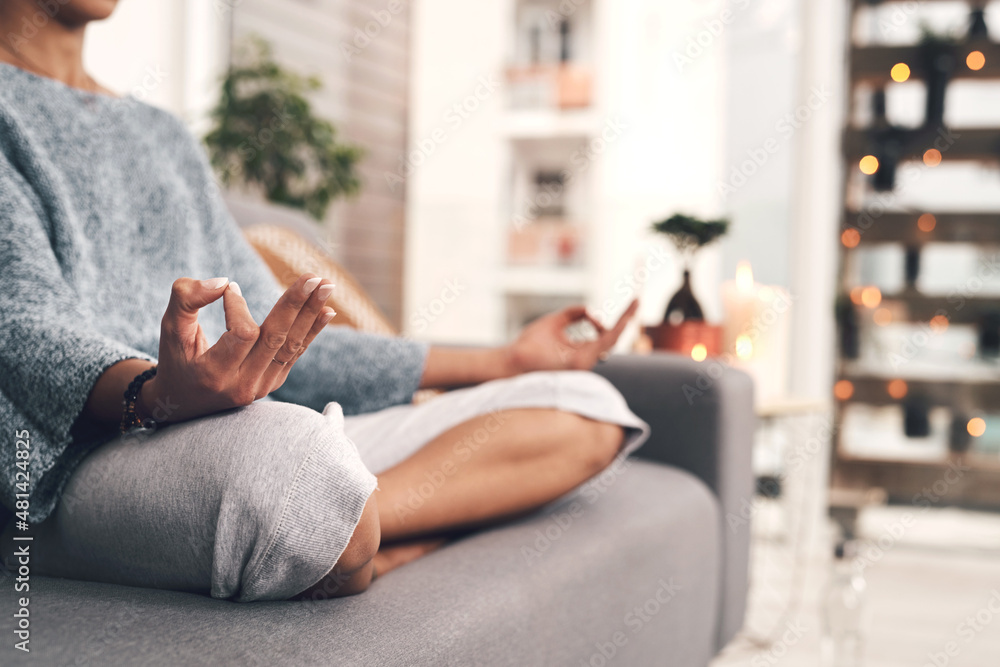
327	317
311	285
236	289
324	292
215	283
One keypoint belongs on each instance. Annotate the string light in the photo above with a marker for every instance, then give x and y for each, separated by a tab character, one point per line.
871	297
926	222
897	389
856	293
976	426
850	238
939	323
882	317
843	390
975	60
699	352
868	165
900	72
744	347
932	157
744	277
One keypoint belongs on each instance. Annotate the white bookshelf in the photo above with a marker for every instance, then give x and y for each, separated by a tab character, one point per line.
638	138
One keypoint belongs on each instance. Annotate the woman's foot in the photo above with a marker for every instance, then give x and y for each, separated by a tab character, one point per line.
391	556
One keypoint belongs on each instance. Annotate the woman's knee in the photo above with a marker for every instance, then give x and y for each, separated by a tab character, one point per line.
364	542
354	570
301	509
596	443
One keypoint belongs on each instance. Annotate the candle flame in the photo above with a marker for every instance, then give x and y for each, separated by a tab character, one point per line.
744	347
699	352
744	277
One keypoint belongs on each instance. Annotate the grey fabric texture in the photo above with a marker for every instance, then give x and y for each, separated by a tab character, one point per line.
259	503
104	202
256	503
630	561
702	419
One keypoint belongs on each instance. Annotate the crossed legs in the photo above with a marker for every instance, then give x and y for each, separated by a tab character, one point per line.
482	471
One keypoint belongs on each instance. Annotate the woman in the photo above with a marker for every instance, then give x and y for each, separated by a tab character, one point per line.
105	205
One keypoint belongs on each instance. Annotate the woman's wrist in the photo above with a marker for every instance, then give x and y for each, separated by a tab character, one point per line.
506	362
460	367
104	405
148	405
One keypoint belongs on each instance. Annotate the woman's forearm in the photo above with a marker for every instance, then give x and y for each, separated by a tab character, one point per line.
449	367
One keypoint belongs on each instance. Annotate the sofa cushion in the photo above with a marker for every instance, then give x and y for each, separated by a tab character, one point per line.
624	570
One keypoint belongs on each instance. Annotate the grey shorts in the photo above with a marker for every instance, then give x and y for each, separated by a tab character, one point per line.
259	503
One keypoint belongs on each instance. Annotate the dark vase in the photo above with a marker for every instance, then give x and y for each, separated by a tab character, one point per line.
888	147
977	25
916	420
939	63
683	306
959	439
912	267
849	336
989	335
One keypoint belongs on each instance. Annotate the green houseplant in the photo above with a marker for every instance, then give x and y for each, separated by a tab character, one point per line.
267	139
688	234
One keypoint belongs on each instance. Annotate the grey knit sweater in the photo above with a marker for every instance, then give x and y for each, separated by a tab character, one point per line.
104	202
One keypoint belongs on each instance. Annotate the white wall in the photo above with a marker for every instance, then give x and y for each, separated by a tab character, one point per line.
169	53
665	158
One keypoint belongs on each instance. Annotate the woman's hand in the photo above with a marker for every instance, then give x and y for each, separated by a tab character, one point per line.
544	345
248	362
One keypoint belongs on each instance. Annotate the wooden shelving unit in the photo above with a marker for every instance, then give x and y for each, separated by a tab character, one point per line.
975	144
872	64
902	228
963	477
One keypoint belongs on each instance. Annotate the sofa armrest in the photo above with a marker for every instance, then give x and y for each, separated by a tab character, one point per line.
702	420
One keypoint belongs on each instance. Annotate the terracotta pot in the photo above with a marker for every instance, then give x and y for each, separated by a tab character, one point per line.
683	337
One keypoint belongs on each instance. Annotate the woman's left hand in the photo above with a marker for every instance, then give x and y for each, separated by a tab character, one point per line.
545	346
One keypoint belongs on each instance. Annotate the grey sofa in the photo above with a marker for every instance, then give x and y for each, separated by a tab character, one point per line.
638	568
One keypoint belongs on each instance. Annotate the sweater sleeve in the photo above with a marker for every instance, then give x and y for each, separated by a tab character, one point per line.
363	372
50	354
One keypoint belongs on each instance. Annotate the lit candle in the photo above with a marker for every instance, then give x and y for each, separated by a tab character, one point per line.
756	331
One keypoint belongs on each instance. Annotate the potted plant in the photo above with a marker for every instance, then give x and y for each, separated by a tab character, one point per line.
267	140
689	235
684	328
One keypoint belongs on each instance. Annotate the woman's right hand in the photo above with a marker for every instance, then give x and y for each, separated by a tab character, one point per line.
248	362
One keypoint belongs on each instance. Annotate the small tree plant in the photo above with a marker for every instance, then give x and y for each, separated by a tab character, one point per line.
266	138
690	234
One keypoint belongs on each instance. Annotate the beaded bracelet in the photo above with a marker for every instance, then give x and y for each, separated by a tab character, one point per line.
130	419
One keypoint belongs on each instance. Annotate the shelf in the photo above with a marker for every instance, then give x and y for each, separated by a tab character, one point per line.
970	480
958	309
858	4
885	368
871	64
527	124
978	228
978	144
968	396
543	280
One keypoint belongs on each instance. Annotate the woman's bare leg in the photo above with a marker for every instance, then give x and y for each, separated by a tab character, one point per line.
482	471
491	468
391	556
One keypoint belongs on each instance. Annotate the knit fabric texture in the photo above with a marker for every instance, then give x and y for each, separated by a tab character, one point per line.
104	202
